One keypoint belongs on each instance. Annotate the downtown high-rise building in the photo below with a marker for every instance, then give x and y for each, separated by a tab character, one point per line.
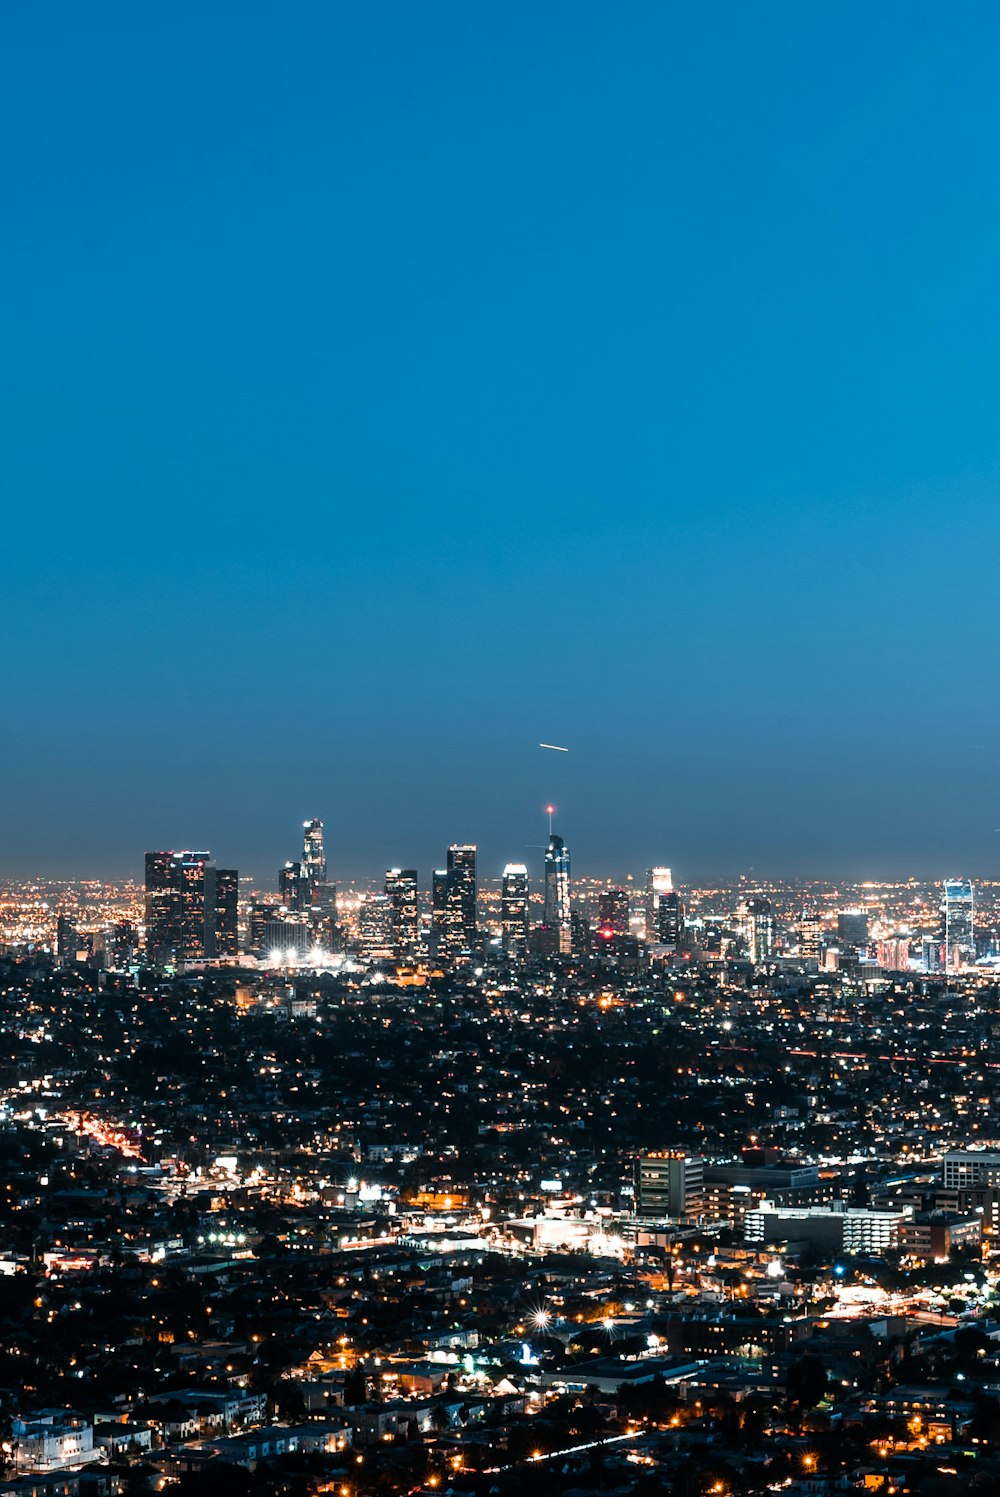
958	924
123	943
668	927
810	936
67	940
376	928
612	913
852	931
222	911
303	888
459	928
401	891
313	854
558	919
664	910
439	908
659	883
191	908
514	909
757	922
453	903
293	888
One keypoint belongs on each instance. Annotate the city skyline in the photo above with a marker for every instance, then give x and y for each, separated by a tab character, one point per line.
499	838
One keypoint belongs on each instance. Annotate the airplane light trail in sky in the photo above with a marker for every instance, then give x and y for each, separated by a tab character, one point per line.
554	746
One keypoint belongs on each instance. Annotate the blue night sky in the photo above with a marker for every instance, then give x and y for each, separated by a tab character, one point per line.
390	387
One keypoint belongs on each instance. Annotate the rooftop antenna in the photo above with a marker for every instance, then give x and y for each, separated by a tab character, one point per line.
550	811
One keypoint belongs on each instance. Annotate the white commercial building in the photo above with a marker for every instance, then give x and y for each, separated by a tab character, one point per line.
831	1229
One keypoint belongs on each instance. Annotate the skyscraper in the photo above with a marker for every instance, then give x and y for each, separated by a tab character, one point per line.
460	899
557	902
957	914
401	890
180	923
222	904
658	883
439	908
121	945
376	928
313	854
612	912
67	939
810	936
670	920
757	920
514	909
293	887
852	930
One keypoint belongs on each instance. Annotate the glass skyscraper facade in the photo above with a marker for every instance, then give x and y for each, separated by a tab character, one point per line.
401	890
514	909
958	911
191	907
557	901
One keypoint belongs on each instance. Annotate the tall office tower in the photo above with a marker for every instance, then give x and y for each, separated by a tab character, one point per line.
439	907
67	939
810	936
175	906
557	904
957	912
293	887
401	889
514	909
669	930
658	883
612	912
313	855
376	934
262	913
322	912
852	930
121	944
758	928
459	929
222	912
669	1182
161	902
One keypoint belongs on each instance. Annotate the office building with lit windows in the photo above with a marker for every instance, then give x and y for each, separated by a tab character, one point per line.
757	922
514	909
612	913
557	895
453	903
658	884
376	928
957	920
222	909
852	931
401	890
313	852
191	908
669	1182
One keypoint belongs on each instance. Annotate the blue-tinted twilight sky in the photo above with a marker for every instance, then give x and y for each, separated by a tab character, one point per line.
390	387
